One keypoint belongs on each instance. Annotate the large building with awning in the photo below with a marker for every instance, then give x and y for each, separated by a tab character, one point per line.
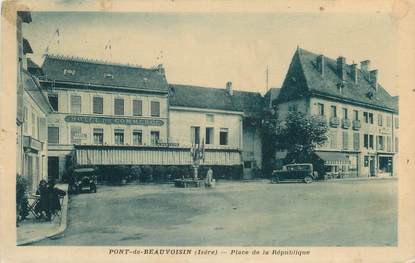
362	116
120	114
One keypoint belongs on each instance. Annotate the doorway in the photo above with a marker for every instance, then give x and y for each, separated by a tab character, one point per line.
372	166
53	168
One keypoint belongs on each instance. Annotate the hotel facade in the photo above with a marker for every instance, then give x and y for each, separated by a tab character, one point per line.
362	117
114	114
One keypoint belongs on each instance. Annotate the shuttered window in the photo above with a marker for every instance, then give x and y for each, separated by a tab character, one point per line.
119	106
356	141
155	109
137	108
119	136
137	137
98	105
54	101
98	135
333	139
389	143
53	134
345	140
75	104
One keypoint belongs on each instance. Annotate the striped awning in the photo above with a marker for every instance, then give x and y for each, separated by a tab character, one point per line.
333	158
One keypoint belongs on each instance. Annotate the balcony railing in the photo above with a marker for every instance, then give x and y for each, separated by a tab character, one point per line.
345	123
356	125
334	122
31	143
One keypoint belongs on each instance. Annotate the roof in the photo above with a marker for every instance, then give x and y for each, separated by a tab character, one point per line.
26	47
32	87
33	68
333	158
303	79
25	16
94	72
271	95
250	103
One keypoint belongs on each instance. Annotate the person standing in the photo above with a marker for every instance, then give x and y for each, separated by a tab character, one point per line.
209	177
54	195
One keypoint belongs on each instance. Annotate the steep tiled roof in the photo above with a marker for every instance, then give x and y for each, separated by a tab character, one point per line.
303	79
32	87
94	72
250	103
33	68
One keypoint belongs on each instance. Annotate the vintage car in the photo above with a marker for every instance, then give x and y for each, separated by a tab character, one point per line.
298	172
83	179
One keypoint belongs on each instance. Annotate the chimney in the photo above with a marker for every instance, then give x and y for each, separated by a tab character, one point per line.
354	73
229	90
341	67
320	64
373	77
365	66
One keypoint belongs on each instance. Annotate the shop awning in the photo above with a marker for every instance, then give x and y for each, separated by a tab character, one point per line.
333	158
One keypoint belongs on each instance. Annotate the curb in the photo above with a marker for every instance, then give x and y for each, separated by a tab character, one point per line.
59	232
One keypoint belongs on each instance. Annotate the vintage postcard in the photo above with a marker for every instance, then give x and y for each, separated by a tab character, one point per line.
215	130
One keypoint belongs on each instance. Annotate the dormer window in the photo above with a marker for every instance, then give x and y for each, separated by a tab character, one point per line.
108	76
69	72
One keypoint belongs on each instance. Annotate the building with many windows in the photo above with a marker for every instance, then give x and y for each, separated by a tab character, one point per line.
115	114
362	116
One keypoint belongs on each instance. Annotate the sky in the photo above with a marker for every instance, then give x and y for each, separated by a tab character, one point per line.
209	49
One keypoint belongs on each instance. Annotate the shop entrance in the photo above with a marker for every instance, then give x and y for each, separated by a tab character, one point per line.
385	165
372	166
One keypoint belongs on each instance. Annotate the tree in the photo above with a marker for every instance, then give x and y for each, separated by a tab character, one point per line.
299	135
269	139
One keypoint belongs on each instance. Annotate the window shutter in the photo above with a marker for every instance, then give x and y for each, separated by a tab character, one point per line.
53	134
155	108
42	129
98	105
119	106
137	108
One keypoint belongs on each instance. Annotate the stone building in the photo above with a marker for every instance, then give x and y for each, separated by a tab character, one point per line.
32	110
362	115
116	114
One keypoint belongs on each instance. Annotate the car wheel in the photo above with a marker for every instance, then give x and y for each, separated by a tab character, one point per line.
275	180
308	180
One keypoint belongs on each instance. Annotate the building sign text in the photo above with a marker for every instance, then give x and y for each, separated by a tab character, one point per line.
112	120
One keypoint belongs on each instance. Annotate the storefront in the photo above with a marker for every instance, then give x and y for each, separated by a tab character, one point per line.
338	165
385	165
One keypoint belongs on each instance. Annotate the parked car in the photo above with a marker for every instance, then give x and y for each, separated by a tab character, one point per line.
299	172
83	179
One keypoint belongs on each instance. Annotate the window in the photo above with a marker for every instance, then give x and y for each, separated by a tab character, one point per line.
42	129
366	161
380	119
54	102
223	136
345	140
98	134
119	136
75	104
209	135
108	76
381	143
333	139
195	135
388	121
210	118
98	105
320	109
356	141
345	114
292	108
33	128
25	119
53	134
137	137
155	137
69	72
155	109
356	115
368	117
333	111
389	143
366	141
396	122
137	108
119	106
248	164
76	135
371	141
